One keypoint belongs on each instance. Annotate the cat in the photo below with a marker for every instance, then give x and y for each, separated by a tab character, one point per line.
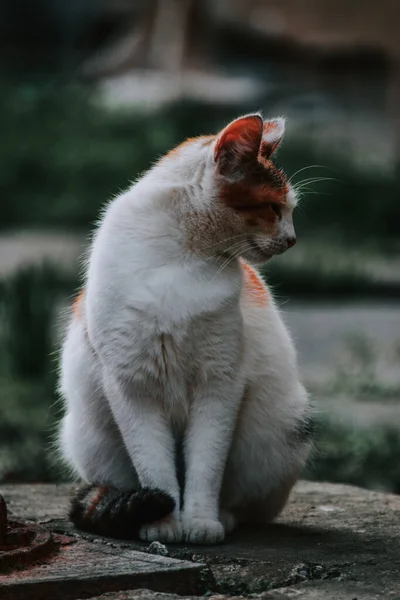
185	414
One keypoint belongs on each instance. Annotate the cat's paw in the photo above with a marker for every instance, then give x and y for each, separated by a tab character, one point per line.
203	531
168	530
228	521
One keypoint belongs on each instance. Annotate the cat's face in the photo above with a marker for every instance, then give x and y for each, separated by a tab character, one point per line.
253	194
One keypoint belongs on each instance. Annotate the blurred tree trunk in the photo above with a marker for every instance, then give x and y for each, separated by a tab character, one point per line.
393	98
171	45
163	34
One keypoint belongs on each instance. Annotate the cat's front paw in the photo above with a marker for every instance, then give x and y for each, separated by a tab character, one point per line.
203	531
168	530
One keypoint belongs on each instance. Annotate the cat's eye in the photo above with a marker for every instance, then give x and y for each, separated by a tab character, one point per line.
276	209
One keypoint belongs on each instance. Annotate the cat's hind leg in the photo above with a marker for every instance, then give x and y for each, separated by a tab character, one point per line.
89	439
269	450
91	443
113	504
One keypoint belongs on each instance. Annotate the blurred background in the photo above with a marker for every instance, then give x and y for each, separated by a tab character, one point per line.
93	91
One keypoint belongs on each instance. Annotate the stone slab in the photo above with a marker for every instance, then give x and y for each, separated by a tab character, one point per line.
82	568
332	541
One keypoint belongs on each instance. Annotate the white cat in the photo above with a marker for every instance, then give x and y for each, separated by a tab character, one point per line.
176	352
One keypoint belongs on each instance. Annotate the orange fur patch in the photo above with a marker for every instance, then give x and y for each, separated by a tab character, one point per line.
103	490
254	203
244	133
264	183
247	197
254	284
77	305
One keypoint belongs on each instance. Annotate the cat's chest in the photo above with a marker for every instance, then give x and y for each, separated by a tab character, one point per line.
188	359
183	353
182	294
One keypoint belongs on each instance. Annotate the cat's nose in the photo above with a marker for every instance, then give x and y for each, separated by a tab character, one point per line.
291	241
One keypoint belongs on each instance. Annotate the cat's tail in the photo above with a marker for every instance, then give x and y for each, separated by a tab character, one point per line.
111	512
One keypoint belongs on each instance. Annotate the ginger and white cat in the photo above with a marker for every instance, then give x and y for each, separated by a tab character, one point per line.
176	352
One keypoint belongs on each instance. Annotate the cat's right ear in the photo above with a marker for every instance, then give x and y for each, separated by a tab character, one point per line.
238	145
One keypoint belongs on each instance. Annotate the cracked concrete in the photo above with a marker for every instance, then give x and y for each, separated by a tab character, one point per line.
332	541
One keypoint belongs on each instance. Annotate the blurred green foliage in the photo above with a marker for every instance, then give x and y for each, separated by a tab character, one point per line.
366	457
359	372
27	427
62	157
28	367
311	282
27	301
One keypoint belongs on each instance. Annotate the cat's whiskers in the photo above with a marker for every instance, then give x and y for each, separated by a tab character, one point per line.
312	179
230	248
300	208
306	190
223	241
223	250
298	187
305	169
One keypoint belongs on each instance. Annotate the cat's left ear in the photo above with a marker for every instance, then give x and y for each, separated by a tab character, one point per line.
273	132
238	145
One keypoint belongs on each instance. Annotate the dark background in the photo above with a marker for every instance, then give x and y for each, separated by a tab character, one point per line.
91	92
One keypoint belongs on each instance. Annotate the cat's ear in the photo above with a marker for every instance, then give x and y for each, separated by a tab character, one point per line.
273	132
238	144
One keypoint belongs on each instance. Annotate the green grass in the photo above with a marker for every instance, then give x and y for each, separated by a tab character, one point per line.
365	457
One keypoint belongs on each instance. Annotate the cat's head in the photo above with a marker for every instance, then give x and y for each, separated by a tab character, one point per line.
252	192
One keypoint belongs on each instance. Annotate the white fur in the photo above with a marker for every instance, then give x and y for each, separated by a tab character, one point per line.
276	132
170	344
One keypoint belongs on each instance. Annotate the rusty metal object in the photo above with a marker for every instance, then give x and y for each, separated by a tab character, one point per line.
21	542
35	563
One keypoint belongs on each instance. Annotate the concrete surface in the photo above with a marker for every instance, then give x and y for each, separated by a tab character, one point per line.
332	541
